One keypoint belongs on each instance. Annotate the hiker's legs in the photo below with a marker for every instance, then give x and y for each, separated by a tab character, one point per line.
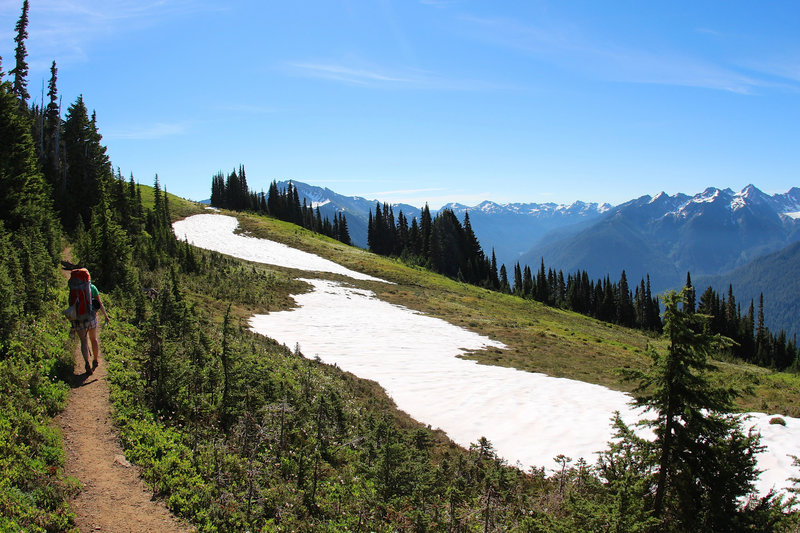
84	346
95	343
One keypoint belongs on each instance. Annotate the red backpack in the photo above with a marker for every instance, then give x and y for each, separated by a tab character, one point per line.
80	293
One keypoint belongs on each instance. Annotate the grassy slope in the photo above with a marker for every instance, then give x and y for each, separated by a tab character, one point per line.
178	207
539	338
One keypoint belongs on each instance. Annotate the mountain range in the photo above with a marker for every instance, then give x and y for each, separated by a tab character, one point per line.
719	235
709	233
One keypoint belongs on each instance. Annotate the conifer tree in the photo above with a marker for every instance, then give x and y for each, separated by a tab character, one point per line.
527	285
87	165
414	239
702	460
494	282
625	311
51	149
517	280
425	228
20	70
504	287
690	294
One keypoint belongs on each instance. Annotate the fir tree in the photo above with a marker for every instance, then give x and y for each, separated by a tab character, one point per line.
703	463
20	70
504	287
625	310
87	165
51	150
690	295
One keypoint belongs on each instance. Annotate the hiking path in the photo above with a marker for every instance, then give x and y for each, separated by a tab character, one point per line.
113	497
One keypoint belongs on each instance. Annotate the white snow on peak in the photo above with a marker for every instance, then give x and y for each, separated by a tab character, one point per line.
709	195
658	196
795	215
315	205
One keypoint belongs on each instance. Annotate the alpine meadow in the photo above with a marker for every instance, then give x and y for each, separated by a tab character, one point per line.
274	366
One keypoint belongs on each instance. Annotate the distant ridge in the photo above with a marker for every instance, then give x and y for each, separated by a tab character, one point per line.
509	229
709	233
718	235
776	276
355	208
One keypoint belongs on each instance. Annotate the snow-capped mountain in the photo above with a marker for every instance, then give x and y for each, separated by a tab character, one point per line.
749	198
508	229
511	229
355	208
709	233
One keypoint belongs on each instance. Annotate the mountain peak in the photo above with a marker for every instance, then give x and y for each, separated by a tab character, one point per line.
660	196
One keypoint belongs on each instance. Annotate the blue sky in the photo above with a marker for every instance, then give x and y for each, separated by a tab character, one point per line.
433	100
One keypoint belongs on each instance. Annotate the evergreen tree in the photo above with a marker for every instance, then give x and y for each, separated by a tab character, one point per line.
110	250
527	285
625	310
690	295
415	239
518	280
20	70
504	287
24	196
425	228
87	165
494	282
702	461
344	232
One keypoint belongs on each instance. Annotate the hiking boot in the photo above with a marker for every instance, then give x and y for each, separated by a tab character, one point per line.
94	364
88	368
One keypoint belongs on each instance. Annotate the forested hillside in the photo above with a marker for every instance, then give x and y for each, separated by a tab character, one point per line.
775	276
235	432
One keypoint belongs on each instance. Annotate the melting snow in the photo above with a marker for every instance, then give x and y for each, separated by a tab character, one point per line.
216	232
530	418
795	215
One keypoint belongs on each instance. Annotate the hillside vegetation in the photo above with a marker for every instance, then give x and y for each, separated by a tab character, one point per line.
539	338
237	433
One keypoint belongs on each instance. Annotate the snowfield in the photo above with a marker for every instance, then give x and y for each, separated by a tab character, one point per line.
216	232
529	418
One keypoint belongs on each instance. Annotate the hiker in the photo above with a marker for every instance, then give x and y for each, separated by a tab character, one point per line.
86	299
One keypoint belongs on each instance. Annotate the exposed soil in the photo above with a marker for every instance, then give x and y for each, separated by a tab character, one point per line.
113	497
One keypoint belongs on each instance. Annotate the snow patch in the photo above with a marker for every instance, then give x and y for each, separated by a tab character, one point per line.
529	417
795	215
315	205
216	232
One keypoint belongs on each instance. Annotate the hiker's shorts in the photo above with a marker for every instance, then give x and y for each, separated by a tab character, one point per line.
86	324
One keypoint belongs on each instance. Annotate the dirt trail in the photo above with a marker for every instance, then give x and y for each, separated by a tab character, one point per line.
113	498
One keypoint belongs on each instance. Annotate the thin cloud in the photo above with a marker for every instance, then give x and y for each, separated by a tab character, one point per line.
567	47
388	78
65	28
786	69
354	76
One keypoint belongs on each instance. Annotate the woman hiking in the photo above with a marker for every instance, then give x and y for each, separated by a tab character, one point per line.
85	299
